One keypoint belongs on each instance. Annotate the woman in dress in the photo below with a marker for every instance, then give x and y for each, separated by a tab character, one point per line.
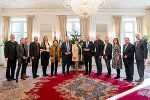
116	61
55	56
76	55
45	55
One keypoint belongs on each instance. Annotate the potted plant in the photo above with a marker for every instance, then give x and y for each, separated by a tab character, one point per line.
5	39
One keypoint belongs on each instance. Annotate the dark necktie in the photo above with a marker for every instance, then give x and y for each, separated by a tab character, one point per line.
38	48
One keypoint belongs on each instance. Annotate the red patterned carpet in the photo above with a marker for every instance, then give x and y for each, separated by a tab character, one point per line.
77	87
140	94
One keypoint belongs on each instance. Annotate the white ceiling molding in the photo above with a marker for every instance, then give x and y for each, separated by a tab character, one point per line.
124	12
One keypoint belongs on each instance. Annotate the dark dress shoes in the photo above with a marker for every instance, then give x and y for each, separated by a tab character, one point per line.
13	79
8	79
99	74
89	74
117	77
108	76
68	74
17	80
86	74
96	74
23	78
125	79
37	75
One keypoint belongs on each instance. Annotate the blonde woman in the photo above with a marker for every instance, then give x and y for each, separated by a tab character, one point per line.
76	55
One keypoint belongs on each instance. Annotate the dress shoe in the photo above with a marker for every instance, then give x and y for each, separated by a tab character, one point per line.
34	77
139	83
125	79
27	77
37	75
44	75
68	74
99	74
16	80
96	74
85	74
51	76
23	78
56	75
117	77
107	76
90	74
8	79
13	79
63	74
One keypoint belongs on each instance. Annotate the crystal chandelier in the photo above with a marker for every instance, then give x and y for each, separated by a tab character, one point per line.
84	7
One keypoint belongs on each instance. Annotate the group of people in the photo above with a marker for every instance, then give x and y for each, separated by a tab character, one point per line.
74	53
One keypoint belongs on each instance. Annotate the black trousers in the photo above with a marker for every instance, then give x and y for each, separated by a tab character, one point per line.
88	64
27	61
118	72
52	67
98	64
35	63
108	66
44	68
66	60
22	66
129	69
11	66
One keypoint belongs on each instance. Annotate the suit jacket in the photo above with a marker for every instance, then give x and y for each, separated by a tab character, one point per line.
34	50
90	46
108	51
99	47
64	49
10	50
141	51
20	51
129	52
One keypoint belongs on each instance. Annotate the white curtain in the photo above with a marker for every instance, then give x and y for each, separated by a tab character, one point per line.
84	27
146	25
92	27
117	23
56	28
30	26
63	27
139	21
6	25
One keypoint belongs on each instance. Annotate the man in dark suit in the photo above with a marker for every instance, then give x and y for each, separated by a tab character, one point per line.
35	56
141	52
22	58
10	52
107	56
128	59
98	53
88	47
66	50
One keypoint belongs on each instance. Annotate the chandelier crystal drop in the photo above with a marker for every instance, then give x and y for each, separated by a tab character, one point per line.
84	7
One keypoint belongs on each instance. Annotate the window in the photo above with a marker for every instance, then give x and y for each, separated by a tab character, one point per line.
73	25
18	27
128	29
